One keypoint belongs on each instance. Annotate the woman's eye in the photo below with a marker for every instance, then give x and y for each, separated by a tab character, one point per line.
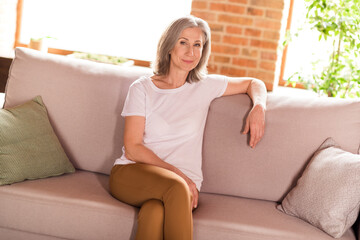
197	45
182	42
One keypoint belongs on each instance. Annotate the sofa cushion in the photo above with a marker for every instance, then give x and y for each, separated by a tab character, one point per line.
79	206
328	193
225	217
294	129
84	100
29	149
72	206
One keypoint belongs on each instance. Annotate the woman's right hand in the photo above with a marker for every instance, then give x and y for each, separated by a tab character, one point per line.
194	192
192	187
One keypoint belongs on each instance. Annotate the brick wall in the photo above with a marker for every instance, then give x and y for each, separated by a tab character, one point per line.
246	35
7	27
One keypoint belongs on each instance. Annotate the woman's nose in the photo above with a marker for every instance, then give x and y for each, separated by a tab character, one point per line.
190	51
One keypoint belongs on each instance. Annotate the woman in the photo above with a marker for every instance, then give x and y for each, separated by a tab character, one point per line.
160	169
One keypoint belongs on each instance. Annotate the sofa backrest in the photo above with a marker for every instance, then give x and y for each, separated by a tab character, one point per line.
295	128
84	101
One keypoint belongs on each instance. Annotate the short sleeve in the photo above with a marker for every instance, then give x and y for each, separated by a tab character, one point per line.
216	85
135	101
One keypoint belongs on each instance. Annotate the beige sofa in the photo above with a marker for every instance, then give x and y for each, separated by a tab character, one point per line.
242	186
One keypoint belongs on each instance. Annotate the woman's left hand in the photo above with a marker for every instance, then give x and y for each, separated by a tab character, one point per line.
255	123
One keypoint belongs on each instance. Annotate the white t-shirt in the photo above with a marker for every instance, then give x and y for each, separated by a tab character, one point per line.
175	120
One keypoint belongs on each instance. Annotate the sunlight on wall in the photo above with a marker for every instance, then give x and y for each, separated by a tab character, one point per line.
120	28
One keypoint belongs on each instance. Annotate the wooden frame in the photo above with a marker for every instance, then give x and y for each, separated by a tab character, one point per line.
282	82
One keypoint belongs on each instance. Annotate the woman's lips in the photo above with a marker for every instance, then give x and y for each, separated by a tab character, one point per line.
188	61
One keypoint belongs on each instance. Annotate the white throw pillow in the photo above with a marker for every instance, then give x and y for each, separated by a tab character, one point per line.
328	193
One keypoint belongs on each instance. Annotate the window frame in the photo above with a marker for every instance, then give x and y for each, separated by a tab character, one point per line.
283	82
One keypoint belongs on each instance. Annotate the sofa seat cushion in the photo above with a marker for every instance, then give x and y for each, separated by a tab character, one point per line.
79	206
72	206
225	217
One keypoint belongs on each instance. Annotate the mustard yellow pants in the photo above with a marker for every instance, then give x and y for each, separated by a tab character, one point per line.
163	197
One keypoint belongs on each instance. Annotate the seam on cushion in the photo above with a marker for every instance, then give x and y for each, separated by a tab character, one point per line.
229	230
45	235
69	204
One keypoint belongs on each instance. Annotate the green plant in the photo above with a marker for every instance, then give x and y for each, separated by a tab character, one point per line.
338	21
100	58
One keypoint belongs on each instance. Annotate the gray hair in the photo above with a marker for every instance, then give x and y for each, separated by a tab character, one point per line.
167	42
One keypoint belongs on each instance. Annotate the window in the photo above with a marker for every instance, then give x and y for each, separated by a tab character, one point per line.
127	28
304	48
305	53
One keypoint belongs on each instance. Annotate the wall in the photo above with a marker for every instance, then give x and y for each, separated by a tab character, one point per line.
245	36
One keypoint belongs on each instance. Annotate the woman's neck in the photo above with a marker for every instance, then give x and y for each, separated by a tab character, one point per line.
172	80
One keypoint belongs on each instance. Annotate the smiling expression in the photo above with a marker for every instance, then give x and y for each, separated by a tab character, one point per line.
187	52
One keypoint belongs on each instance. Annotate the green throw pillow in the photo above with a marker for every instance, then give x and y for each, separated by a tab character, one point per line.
29	148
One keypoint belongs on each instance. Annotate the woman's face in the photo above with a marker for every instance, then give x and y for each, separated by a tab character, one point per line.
186	54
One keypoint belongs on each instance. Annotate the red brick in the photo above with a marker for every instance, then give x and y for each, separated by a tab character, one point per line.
223	7
216	27
207	16
263	44
222	59
244	62
200	5
269	56
234	72
276	4
249	52
268	65
239	1
235	19
274	14
272	35
216	48
262	75
234	30
252	32
235	40
267	24
215	37
255	11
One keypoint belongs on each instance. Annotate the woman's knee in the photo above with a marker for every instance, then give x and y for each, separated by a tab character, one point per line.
152	208
179	189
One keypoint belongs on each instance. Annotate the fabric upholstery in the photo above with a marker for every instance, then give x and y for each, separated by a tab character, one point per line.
294	129
29	149
328	193
72	206
78	206
84	100
225	217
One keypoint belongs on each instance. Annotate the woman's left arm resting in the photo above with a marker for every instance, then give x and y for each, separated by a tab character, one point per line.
255	121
